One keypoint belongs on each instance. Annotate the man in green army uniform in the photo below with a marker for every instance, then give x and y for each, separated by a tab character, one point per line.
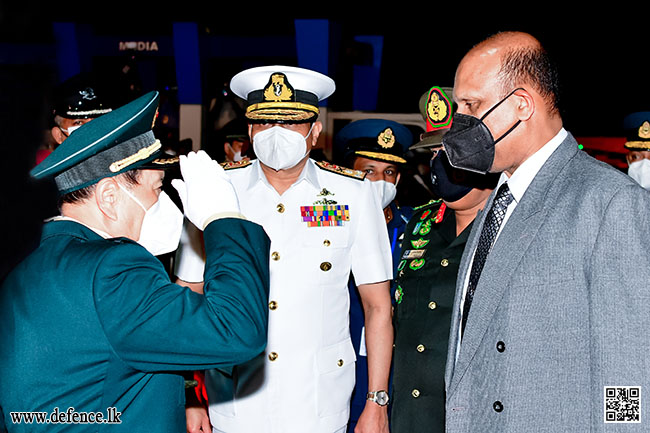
91	328
433	243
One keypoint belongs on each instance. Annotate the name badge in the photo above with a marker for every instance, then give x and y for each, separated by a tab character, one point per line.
413	254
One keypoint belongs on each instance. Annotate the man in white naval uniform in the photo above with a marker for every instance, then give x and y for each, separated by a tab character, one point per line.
324	222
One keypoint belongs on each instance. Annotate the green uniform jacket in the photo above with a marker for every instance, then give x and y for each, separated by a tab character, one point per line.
91	324
426	282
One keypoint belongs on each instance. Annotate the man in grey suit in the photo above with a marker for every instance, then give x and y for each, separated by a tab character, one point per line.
550	325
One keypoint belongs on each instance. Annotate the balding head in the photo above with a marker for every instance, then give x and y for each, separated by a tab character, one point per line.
509	83
522	62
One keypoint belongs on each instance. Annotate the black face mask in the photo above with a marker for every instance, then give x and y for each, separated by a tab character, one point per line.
469	143
451	184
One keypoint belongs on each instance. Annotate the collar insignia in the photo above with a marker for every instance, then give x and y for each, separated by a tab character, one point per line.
386	139
278	89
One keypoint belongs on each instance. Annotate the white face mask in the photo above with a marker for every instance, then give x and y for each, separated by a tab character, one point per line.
280	148
70	130
640	171
162	225
236	155
385	192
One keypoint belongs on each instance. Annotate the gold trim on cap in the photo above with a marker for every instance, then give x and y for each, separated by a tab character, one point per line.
163	161
280	105
385	156
141	154
638	144
293	115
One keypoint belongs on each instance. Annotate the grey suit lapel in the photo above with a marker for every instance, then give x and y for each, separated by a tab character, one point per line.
519	231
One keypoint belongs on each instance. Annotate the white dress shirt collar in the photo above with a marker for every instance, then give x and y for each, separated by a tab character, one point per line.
526	172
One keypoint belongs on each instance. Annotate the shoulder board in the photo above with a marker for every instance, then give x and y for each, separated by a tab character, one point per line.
234	165
430	203
344	171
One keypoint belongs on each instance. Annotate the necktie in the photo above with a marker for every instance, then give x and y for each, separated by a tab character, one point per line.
493	221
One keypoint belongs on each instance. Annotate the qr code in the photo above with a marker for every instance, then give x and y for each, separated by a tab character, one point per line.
622	404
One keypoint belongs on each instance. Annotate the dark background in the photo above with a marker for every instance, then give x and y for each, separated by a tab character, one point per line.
602	54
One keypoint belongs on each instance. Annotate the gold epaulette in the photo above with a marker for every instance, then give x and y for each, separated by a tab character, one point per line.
237	164
355	174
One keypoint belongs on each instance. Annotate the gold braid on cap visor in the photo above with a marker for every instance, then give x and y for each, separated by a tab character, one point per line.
138	156
638	144
384	156
271	110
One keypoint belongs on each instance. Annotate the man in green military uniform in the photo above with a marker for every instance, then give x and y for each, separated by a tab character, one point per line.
91	328
433	243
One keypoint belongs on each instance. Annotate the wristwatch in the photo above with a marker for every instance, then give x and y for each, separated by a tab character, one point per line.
379	397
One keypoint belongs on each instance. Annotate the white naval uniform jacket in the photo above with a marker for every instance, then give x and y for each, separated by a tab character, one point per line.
303	381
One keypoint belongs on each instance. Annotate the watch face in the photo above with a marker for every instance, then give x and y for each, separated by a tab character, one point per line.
381	398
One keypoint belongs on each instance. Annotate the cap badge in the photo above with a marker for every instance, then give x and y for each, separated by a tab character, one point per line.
278	88
88	93
437	108
386	139
644	130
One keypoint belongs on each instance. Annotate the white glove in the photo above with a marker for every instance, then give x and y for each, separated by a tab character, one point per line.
205	190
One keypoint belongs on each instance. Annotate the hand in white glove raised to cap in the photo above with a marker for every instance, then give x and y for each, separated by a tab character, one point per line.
205	191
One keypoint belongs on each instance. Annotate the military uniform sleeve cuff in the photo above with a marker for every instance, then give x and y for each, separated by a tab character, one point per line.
223	215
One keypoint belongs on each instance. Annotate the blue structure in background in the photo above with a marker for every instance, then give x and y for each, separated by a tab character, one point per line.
312	47
366	77
68	58
188	63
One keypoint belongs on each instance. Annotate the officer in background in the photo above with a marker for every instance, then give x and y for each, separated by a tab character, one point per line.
433	243
324	222
236	143
376	147
90	321
77	101
637	131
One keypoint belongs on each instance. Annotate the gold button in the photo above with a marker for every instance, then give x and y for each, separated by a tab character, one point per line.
273	305
273	356
432	305
280	207
327	242
415	393
325	266
275	256
340	363
420	348
444	263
